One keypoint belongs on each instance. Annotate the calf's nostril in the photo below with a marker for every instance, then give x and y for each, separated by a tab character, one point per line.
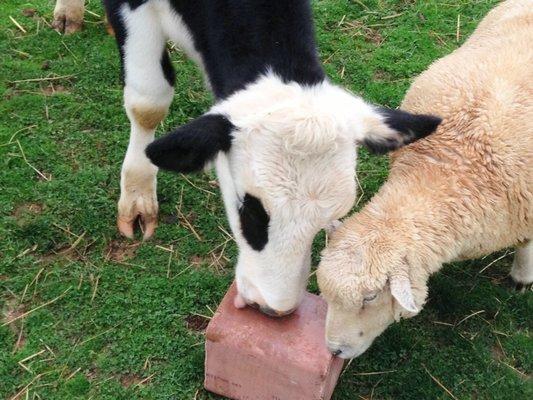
239	301
269	311
274	313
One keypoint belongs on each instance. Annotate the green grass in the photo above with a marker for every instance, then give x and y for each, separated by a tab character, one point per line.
116	326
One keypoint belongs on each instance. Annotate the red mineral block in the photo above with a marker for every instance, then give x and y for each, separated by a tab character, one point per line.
250	356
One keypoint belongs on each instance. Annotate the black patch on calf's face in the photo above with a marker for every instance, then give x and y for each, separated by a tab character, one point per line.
254	222
410	128
191	146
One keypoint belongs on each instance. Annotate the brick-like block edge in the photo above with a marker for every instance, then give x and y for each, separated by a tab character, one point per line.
250	356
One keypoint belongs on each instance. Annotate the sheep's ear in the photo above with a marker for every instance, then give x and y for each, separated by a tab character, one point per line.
191	146
400	287
389	129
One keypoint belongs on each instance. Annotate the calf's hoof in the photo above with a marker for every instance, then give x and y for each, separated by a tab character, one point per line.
143	212
126	226
67	24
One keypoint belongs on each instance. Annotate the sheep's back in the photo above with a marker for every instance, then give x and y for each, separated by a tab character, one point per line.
483	150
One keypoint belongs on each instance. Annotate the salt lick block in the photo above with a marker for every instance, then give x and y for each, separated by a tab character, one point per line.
250	356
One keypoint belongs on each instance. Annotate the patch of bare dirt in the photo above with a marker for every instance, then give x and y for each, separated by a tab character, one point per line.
92	374
10	312
191	217
52	89
29	12
218	260
196	323
380	75
49	258
373	36
119	251
44	176
358	28
62	251
497	353
128	380
215	259
169	219
28	208
197	261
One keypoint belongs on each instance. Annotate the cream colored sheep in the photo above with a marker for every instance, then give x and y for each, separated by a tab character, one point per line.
463	192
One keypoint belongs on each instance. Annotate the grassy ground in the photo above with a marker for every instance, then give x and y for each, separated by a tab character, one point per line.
114	319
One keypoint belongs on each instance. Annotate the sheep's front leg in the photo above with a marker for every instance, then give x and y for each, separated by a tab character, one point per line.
148	91
68	16
522	270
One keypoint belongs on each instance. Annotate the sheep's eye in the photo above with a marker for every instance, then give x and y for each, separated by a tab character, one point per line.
369	298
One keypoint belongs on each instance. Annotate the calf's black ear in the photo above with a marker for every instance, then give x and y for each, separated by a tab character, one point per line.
398	128
191	146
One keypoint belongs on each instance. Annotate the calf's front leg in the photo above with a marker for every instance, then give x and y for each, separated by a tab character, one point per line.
148	91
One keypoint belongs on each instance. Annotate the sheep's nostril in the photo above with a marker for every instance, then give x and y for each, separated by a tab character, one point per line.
336	352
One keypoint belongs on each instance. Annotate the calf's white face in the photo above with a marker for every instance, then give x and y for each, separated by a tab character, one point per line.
285	158
276	206
276	203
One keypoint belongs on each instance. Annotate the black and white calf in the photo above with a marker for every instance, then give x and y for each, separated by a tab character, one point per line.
282	137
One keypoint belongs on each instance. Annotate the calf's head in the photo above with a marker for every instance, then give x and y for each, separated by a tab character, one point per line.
285	158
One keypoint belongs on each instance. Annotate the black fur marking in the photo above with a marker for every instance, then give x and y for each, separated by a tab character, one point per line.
415	125
254	222
191	146
241	39
410	128
382	145
168	70
112	10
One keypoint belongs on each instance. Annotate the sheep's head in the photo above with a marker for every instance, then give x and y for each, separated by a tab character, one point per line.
367	283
